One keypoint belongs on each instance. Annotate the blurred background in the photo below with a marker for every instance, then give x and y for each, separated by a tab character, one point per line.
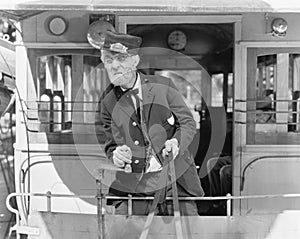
7	128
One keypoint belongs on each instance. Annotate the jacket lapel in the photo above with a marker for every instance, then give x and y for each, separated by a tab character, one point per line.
148	96
124	104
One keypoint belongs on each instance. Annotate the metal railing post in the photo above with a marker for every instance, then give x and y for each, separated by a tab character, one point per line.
130	205
16	212
100	213
228	205
48	201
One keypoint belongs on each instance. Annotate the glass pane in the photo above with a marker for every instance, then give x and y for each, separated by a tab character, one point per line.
272	94
188	83
69	88
217	89
230	93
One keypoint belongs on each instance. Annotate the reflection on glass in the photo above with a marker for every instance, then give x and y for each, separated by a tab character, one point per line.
69	88
188	83
273	116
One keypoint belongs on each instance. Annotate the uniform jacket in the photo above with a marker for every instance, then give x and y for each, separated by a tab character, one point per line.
166	116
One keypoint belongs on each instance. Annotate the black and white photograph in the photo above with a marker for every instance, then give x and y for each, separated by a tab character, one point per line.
149	119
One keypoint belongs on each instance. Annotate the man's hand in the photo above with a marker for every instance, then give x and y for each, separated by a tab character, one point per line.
171	145
121	155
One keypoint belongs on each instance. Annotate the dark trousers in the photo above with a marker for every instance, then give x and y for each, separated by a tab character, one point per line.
220	175
142	207
187	208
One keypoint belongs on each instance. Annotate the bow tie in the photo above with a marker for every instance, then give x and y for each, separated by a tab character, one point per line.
132	91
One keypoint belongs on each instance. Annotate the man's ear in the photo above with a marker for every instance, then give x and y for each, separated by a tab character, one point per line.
136	60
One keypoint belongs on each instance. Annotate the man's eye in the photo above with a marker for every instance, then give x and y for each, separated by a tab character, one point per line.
121	58
108	60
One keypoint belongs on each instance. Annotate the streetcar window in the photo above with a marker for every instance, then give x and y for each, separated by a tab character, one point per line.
273	92
69	87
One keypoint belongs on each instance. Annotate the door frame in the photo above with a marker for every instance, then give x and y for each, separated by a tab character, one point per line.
241	148
236	20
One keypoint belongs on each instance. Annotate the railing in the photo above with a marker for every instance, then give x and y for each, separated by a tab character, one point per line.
46	120
294	112
130	198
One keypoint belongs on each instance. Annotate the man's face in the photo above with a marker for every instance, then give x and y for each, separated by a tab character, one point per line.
120	67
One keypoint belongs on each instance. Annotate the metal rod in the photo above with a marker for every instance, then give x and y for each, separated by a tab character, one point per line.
267	101
49	201
228	206
130	205
99	209
100	213
292	195
16	212
178	225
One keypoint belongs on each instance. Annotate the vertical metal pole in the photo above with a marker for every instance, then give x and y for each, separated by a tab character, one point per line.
178	225
100	214
228	202
48	201
129	205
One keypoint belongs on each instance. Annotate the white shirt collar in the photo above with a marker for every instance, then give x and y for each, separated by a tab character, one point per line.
137	85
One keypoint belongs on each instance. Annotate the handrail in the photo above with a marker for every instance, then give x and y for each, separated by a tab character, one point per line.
259	158
271	100
290	195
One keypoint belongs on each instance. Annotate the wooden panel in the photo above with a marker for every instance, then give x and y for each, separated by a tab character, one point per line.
260	81
29	29
268	78
296	74
77	90
257	28
272	176
239	130
77	25
276	50
54	225
251	93
282	86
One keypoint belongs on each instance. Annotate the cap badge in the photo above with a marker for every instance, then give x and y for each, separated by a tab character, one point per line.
118	47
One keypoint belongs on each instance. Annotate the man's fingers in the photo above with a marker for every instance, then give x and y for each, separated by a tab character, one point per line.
122	156
168	147
165	152
171	145
118	162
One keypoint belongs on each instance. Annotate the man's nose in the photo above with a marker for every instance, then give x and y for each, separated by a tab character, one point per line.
115	64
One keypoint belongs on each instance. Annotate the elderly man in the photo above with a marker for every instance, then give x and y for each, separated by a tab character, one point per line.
144	119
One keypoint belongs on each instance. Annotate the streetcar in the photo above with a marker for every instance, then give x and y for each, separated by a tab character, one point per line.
237	65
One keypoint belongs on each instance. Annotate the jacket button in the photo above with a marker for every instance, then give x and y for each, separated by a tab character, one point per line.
136	142
134	123
136	161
